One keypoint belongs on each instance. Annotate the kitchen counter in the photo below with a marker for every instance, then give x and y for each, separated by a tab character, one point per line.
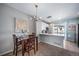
53	39
52	34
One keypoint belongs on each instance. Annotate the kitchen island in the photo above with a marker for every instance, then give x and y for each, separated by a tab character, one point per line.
53	39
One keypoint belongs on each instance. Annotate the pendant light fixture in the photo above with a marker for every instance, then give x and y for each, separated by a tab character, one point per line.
36	17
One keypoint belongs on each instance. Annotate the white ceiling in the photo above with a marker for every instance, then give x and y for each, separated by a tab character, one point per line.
56	10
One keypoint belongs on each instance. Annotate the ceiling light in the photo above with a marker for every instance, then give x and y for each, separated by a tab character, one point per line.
36	6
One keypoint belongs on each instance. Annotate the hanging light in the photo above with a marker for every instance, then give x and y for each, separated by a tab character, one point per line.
36	17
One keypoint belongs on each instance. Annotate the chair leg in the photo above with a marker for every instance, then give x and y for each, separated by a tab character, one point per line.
22	53
16	51
36	44
28	51
34	49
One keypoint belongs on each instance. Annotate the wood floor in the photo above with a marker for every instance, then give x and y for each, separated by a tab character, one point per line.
49	50
71	46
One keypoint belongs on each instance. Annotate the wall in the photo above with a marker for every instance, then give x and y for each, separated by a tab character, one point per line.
70	36
7	15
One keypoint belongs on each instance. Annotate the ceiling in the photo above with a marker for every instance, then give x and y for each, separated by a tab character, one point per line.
58	11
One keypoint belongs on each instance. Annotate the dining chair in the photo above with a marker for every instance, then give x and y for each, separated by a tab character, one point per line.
17	44
28	45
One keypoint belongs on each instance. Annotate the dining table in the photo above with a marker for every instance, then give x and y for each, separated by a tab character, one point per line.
25	37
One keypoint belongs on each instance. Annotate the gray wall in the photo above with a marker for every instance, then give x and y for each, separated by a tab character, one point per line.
7	15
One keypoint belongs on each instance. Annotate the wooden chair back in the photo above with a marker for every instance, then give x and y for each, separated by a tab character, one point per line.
28	45
17	43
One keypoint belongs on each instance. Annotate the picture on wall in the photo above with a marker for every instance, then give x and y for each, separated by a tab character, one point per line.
72	27
20	25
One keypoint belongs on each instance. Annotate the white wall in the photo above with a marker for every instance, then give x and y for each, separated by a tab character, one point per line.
7	15
38	27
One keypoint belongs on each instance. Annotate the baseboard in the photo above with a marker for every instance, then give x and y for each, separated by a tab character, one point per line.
6	52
